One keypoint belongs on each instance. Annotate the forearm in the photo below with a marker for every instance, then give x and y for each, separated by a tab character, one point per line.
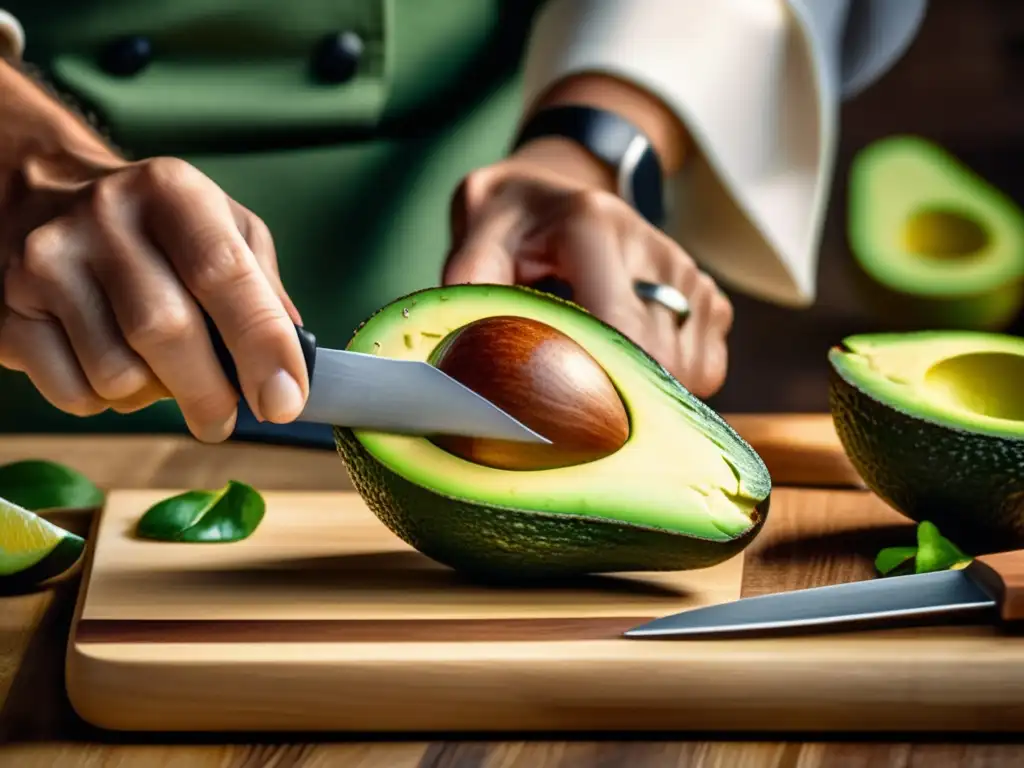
40	135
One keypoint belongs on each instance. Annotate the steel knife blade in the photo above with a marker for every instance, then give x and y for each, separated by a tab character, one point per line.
363	391
991	584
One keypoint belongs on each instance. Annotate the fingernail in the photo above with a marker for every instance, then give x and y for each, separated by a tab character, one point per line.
280	398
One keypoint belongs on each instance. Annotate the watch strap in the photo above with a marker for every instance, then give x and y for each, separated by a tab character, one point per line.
613	140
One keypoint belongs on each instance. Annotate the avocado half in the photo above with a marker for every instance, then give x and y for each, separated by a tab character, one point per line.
936	244
684	492
934	423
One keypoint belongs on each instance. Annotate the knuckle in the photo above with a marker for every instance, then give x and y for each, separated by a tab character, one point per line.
705	284
219	263
478	185
261	326
167	173
208	408
43	254
593	202
160	325
117	378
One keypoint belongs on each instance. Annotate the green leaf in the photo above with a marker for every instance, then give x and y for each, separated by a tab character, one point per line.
935	552
891	558
35	484
229	514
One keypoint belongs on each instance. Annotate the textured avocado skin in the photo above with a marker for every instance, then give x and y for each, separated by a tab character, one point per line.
499	544
969	485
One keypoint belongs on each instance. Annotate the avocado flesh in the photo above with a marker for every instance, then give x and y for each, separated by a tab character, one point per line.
934	423
940	244
684	491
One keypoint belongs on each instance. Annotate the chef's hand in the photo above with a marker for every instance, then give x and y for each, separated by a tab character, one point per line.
104	275
542	215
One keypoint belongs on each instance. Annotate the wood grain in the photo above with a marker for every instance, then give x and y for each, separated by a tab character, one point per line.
323	556
38	728
968	54
322	583
426	659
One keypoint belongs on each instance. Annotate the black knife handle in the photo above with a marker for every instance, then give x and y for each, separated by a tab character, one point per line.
306	340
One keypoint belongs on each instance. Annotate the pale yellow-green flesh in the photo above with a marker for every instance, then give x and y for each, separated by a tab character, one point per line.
667	474
966	379
922	220
25	538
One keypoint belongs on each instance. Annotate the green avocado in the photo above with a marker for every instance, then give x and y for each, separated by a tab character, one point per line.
683	492
936	245
934	423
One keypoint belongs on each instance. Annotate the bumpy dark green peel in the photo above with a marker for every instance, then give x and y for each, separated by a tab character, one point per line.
970	485
501	544
501	540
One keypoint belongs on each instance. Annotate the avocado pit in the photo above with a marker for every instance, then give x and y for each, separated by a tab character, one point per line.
542	377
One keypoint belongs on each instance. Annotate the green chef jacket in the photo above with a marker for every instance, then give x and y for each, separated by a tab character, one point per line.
344	124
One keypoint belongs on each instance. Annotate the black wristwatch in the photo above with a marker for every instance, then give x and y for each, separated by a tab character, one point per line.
614	140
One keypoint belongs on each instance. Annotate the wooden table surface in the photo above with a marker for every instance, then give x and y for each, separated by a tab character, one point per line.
960	84
38	729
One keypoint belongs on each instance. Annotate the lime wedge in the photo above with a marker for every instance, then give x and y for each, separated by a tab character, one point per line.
32	549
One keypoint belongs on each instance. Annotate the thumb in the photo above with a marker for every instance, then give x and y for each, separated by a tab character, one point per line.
487	253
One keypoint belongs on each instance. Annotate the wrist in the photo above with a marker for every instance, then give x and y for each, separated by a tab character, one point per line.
569	159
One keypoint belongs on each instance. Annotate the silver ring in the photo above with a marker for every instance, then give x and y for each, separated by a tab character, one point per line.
665	295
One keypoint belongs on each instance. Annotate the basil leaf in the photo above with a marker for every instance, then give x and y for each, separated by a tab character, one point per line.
229	514
935	552
35	484
891	558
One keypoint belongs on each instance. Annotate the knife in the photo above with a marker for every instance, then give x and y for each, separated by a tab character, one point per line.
409	397
989	584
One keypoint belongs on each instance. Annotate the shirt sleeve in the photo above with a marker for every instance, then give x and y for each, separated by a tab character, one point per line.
12	37
758	86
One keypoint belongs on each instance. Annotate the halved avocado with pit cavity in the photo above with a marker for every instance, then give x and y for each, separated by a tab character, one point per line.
684	491
937	245
934	423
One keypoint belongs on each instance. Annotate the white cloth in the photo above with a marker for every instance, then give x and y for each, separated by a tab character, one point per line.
758	84
12	36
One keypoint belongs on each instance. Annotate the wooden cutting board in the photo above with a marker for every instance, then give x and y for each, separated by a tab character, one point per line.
323	620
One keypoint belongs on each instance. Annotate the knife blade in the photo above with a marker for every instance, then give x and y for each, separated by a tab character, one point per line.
989	584
409	397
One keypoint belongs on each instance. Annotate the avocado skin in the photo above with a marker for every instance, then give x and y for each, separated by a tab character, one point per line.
905	304
523	545
498	544
969	485
55	563
907	311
